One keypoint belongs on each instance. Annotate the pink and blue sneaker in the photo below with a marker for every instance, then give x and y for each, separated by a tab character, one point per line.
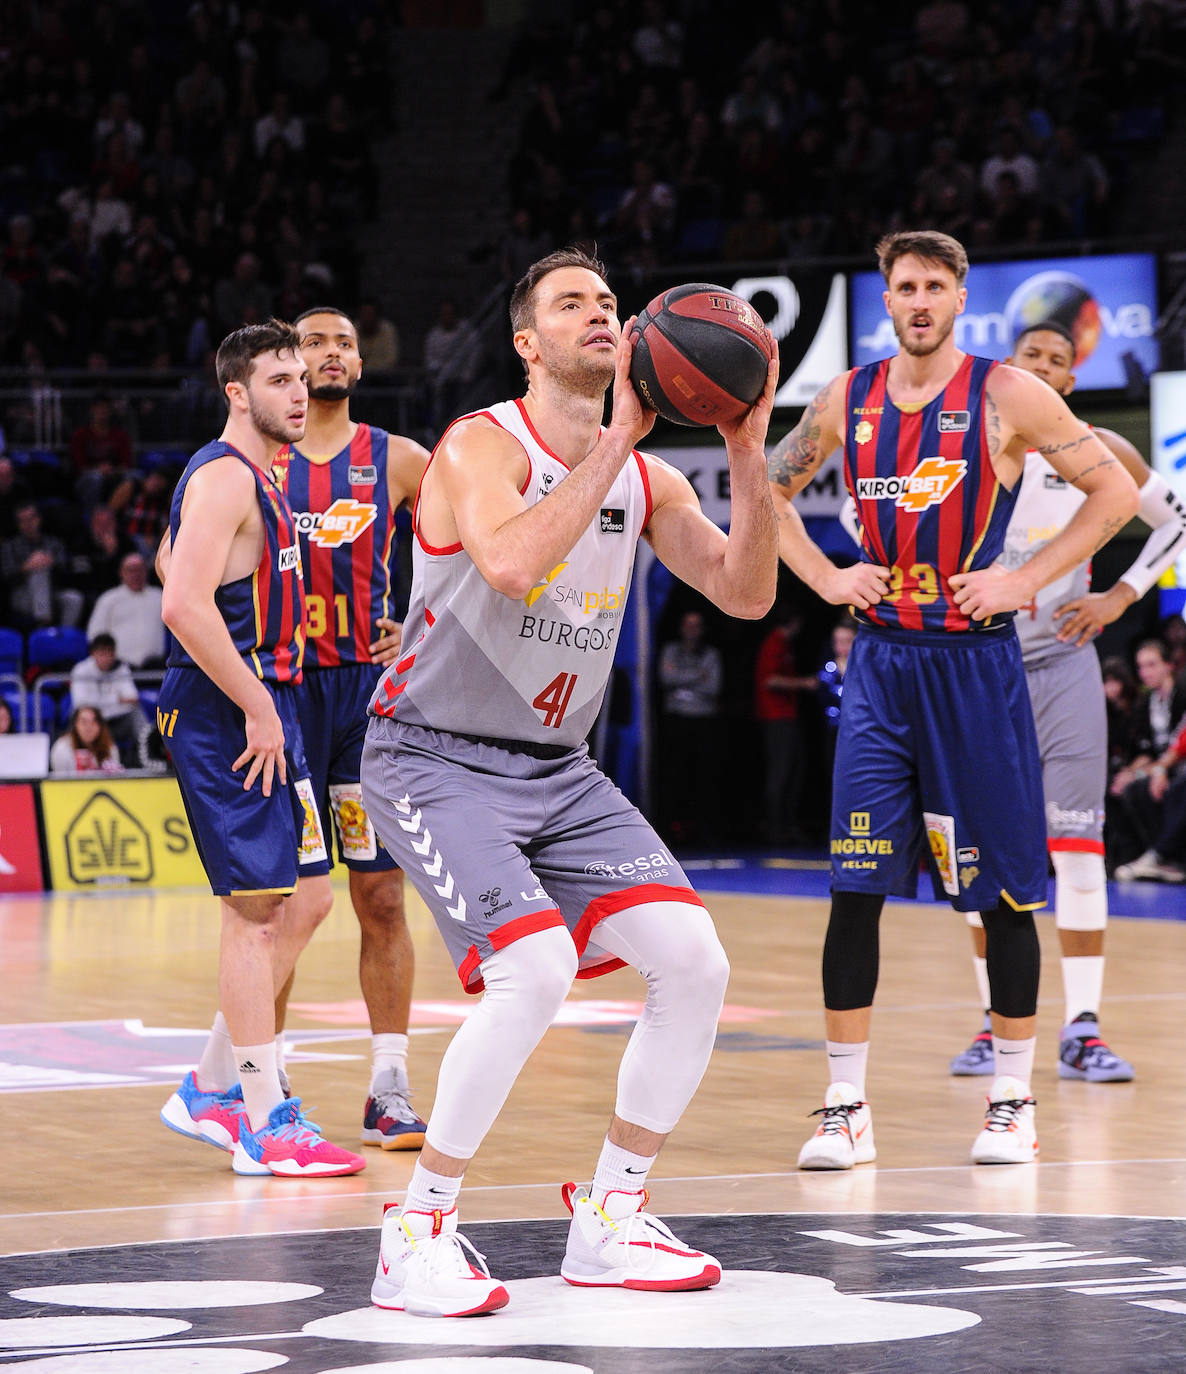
215	1118
289	1145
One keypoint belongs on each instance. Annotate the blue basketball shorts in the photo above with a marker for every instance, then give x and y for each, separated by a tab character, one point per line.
248	843
332	703
937	759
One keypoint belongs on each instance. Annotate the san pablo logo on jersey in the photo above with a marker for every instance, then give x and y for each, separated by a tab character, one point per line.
340	523
930	484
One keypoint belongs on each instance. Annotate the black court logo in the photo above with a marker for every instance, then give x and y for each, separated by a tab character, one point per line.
954	421
105	843
613	520
363	476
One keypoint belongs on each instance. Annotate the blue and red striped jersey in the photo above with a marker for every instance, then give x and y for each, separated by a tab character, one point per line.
265	612
928	499
346	525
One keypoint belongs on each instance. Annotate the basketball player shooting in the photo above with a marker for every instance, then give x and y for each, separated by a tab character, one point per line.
479	782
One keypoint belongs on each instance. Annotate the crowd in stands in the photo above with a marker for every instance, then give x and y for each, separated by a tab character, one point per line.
672	131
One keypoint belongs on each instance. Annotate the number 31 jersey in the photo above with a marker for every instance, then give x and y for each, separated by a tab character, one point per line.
477	662
346	526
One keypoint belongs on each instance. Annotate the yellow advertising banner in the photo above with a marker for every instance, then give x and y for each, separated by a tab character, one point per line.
104	832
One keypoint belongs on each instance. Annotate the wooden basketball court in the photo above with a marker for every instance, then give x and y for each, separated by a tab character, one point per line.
105	1001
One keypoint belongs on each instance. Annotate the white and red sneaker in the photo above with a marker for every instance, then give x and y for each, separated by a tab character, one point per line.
1010	1134
844	1136
618	1244
424	1268
289	1145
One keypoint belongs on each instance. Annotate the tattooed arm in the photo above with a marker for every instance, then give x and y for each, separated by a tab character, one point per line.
1022	412
792	462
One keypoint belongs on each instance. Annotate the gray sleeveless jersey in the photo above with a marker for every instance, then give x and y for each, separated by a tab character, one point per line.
1044	508
478	663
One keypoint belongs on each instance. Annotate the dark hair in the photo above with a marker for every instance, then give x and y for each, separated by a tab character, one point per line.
523	296
1049	327
102	640
1119	671
103	745
1158	644
238	351
325	310
927	244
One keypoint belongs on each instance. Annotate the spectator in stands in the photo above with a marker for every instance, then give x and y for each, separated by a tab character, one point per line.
34	566
451	359
14	493
143	507
1122	695
101	445
378	338
105	683
1075	182
131	615
1172	633
95	559
7	720
944	183
658	42
748	105
755	235
645	216
778	685
85	746
281	123
1009	157
690	676
242	298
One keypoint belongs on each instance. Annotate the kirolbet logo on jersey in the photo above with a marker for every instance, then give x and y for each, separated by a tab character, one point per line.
290	559
341	523
930	484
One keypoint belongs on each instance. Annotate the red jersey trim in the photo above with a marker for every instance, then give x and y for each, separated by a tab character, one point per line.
503	936
646	487
535	435
424	544
1069	844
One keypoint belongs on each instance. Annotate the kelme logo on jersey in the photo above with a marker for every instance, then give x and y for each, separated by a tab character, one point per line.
341	523
930	484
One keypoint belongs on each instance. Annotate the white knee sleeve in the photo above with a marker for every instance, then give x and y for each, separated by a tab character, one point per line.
526	984
675	947
974	919
1080	890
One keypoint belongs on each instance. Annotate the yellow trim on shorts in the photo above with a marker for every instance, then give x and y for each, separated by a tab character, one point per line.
1022	906
261	891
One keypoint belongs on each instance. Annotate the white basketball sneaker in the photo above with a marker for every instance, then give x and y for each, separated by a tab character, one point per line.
424	1268
620	1245
844	1136
1010	1134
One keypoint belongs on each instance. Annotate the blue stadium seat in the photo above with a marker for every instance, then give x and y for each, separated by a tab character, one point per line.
12	651
57	648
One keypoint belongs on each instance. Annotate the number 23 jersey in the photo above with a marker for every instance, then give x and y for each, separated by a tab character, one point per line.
477	662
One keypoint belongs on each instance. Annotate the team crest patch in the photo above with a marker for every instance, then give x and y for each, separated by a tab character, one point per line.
355	830
954	421
864	432
312	848
613	520
363	476
941	838
930	484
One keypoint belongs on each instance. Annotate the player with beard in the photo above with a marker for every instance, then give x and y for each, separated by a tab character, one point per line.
478	779
234	602
936	751
345	481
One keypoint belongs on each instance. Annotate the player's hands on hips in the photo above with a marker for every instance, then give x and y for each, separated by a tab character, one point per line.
386	647
989	591
1087	615
265	747
628	412
863	585
749	429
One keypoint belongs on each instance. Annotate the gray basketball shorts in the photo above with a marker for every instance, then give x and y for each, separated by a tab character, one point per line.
1067	694
501	843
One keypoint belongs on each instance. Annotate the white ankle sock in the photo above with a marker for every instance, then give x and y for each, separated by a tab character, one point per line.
261	1082
1082	984
218	1068
847	1063
619	1171
429	1192
388	1051
1014	1057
